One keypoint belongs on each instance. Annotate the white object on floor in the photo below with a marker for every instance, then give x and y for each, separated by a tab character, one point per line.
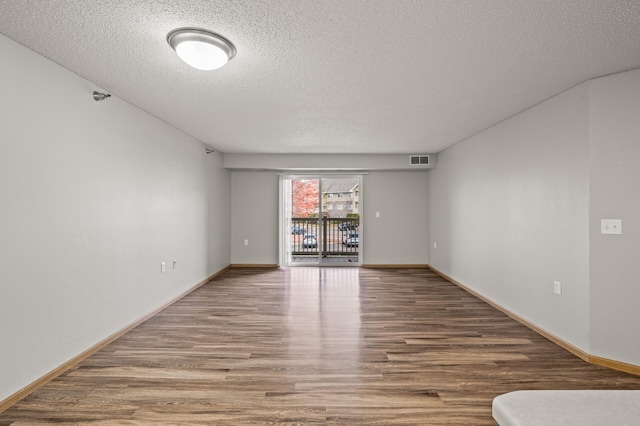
568	407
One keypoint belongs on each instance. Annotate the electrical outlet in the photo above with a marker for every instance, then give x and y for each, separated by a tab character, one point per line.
557	287
163	267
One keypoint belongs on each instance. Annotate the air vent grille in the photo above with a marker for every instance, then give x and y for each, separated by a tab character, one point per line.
419	160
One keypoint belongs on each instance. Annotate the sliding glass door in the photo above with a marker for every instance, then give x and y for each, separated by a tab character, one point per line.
321	220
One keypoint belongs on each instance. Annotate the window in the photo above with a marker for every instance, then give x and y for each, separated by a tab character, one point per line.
340	206
351	195
330	207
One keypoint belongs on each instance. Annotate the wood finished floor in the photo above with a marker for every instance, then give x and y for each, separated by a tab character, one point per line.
322	346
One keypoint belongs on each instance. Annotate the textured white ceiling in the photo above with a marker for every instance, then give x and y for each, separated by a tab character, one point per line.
335	76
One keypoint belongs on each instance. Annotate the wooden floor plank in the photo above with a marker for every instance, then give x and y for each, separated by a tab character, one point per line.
328	346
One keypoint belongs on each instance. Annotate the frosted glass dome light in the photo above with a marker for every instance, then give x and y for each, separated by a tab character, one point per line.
201	49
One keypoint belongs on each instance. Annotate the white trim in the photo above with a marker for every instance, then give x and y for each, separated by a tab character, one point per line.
284	221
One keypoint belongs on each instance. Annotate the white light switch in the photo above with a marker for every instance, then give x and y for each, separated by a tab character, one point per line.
377	214
163	267
246	242
611	226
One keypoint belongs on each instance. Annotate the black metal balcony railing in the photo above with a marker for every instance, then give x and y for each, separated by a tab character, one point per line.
332	236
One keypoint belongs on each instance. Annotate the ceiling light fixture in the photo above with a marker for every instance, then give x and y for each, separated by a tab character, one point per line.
202	49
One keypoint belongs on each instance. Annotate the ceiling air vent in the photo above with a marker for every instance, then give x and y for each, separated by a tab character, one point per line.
419	160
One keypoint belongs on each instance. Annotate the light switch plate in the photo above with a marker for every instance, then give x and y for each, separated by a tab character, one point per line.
611	226
557	287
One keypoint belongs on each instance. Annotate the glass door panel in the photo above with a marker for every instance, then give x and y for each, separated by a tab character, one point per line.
305	214
323	220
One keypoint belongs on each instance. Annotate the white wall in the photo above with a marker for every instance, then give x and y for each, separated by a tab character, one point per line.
333	162
614	139
400	235
509	213
94	196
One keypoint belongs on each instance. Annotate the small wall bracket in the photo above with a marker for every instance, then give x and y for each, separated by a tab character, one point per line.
99	96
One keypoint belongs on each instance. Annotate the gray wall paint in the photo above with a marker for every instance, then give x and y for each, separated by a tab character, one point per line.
94	196
509	213
614	138
218	215
520	204
401	197
254	217
400	235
